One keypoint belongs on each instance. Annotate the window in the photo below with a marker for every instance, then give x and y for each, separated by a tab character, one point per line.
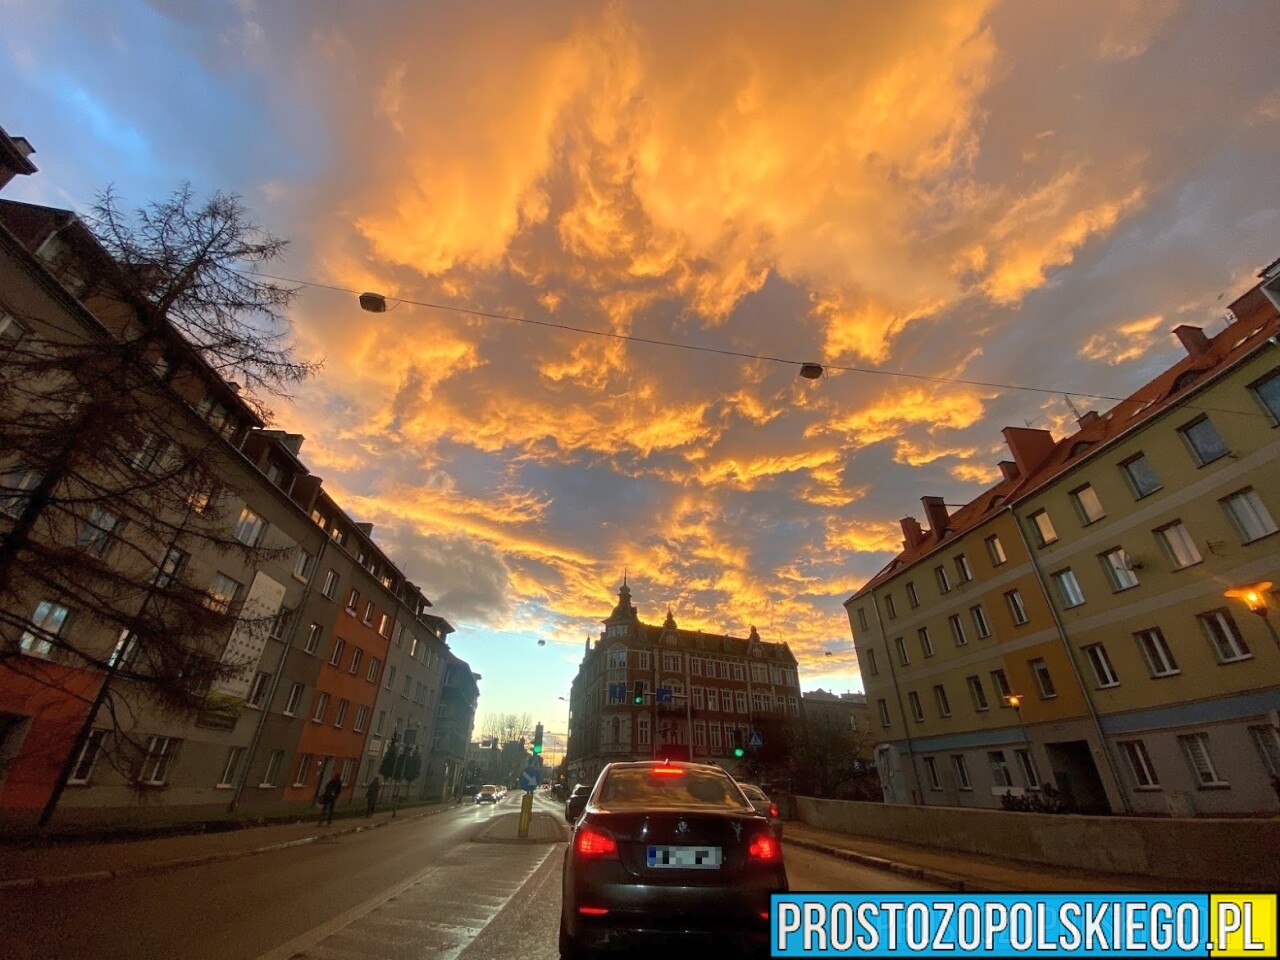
96	534
15	486
926	643
1144	773
671	662
374	665
368	612
961	767
883	707
740	699
258	688
1250	515
931	767
408	686
1118	567
977	693
223	593
1017	609
1156	653
231	767
335	657
944	583
158	760
304	770
890	608
995	550
1266	391
1103	672
962	568
322	707
957	629
900	645
11	331
169	568
384	625
353	601
1088	506
698	698
1266	739
862	618
341	716
1140	475
250	528
1178	545
382	722
1000	774
1203	440
330	584
1196	748
303	566
1001	683
940	695
1043	527
45	624
713	699
917	709
315	633
356	656
126	650
83	769
1027	764
148	454
643	732
1220	627
980	621
295	697
1044	679
1068	588
869	658
913	598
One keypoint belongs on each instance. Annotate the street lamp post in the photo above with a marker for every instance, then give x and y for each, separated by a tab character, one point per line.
1254	596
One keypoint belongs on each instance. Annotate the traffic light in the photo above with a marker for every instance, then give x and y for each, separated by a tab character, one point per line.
738	751
537	739
637	694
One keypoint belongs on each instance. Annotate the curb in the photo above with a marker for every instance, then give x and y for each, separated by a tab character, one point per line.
894	866
180	863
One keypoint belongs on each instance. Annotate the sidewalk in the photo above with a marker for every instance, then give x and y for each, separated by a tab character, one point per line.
50	865
971	872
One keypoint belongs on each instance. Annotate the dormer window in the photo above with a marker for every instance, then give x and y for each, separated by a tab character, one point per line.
1185	379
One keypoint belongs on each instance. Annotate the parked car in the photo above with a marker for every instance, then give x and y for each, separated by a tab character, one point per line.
669	851
576	801
764	806
488	794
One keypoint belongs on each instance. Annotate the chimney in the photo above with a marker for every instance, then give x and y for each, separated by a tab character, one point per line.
366	529
1193	339
1009	469
1088	417
935	511
14	157
912	535
1029	447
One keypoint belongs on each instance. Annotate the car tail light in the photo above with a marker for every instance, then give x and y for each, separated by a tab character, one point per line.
599	911
764	849
594	844
668	771
773	810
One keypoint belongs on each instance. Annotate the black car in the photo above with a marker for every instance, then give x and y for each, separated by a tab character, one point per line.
669	852
577	800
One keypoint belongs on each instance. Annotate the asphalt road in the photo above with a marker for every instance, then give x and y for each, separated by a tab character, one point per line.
413	891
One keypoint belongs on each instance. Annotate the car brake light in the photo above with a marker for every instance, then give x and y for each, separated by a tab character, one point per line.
600	911
773	810
764	849
668	771
594	843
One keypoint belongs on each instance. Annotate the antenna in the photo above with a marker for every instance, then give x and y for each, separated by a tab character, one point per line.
1072	406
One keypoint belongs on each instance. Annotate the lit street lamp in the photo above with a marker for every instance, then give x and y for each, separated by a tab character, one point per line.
1015	700
1254	596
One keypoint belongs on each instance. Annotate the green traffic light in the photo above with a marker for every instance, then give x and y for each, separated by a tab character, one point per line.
537	748
738	751
637	700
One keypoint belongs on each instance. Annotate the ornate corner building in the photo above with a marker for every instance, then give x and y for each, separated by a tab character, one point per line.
646	691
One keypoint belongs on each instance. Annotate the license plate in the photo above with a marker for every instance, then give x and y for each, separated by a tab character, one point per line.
685	858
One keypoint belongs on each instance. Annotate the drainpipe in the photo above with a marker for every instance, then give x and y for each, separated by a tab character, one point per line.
275	684
897	692
1075	668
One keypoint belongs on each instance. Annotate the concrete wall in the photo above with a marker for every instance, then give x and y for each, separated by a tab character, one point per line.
1219	850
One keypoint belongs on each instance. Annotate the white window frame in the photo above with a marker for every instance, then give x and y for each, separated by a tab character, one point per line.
926	642
1220	628
48	620
1249	515
1103	670
1027	764
963	570
995	550
1204	442
931	768
1042	527
1266	740
941	699
1141	476
1141	768
977	694
980	622
1001	775
295	697
154	769
917	707
961	767
1044	678
340	715
1153	645
900	645
1088	506
275	761
330	584
1178	545
1068	587
1195	748
1266	390
250	528
87	759
315	633
1000	682
1017	608
942	578
230	768
1116	564
957	630
321	707
883	707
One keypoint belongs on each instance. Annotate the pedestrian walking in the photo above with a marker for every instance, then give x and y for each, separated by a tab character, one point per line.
329	799
371	795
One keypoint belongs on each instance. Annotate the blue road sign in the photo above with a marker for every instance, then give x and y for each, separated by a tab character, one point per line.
663	695
530	777
755	740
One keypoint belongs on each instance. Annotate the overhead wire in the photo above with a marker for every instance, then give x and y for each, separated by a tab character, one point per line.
738	354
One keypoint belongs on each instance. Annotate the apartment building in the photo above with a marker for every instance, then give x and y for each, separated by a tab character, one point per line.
699	694
455	719
1070	627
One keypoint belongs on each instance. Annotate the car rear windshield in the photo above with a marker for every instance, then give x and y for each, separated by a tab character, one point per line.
640	787
753	793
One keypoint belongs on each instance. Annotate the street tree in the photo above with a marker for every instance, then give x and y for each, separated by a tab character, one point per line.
117	465
827	759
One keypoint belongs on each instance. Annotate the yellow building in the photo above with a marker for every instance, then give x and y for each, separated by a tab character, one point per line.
1070	625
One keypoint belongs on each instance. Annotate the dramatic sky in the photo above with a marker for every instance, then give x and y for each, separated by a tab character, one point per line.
1015	193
